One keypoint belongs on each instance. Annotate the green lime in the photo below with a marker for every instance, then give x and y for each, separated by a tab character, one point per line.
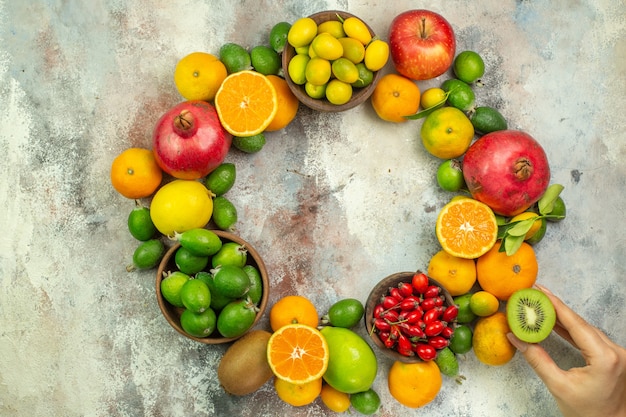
450	175
465	313
218	301
461	94
315	91
558	209
171	286
265	60
140	224
278	36
188	262
365	402
231	253
221	179
198	324
256	284
224	213
345	313
461	340
231	281
236	318
539	234
468	66
365	76
249	144
487	119
296	68
235	57
200	241
148	254
195	295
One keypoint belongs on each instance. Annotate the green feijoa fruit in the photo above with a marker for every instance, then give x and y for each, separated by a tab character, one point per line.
460	95
236	318
140	223
221	179
218	300
278	36
461	340
198	324
224	213
256	284
265	60
448	364
195	295
200	242
235	57
171	285
231	253
487	119
465	312
188	262
345	313
249	144
365	402
148	254
231	281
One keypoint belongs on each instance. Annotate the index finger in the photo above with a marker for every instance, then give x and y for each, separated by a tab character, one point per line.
584	335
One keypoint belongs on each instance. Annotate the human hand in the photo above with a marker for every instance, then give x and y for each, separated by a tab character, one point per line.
596	389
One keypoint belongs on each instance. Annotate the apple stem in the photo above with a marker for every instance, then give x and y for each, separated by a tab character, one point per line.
423	29
184	123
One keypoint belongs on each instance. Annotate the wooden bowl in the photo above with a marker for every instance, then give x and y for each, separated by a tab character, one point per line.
359	95
381	289
172	314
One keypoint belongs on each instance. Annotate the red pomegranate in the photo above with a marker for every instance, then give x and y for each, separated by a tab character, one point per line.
189	141
507	170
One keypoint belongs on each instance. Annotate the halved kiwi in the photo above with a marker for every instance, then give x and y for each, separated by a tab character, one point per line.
530	314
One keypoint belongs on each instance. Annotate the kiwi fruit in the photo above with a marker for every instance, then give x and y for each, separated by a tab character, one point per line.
244	368
530	315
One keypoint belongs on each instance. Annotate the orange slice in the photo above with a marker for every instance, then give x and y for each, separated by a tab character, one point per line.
297	353
466	228
246	103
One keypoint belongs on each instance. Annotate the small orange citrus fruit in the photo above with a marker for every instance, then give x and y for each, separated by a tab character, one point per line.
298	353
199	75
135	173
466	228
334	399
246	103
447	133
457	275
298	395
502	274
394	97
490	344
293	309
414	384
484	303
287	104
536	224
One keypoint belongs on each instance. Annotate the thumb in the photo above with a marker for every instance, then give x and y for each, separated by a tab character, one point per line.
539	360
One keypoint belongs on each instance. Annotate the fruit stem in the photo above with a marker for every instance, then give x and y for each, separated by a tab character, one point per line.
185	124
523	169
423	34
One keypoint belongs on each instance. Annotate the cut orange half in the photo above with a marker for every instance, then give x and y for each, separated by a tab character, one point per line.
246	103
466	228
297	353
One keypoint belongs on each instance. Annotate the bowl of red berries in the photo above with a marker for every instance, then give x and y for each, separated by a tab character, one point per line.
410	316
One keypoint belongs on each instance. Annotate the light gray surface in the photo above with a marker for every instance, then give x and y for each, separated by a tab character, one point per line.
334	202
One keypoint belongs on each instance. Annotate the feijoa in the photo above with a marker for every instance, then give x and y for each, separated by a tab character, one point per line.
256	284
218	300
231	253
224	213
171	286
200	241
147	255
221	179
249	144
231	281
487	119
188	262
198	324
195	295
236	318
140	224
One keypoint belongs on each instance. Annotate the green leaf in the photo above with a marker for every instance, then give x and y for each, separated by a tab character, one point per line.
546	202
521	227
512	244
426	112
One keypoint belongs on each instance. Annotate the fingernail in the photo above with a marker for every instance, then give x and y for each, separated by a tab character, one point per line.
542	288
519	345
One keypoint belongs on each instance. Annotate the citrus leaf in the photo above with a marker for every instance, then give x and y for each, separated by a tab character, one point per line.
546	202
521	227
426	112
512	244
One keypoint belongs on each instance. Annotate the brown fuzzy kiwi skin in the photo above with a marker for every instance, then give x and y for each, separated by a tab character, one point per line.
244	369
531	297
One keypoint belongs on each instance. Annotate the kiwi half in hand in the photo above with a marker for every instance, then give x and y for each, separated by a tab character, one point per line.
530	314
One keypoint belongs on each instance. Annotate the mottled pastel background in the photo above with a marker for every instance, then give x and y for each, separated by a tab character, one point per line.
334	202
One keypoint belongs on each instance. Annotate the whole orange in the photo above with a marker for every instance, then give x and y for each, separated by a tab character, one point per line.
394	97
490	344
135	173
457	275
502	274
293	309
414	384
287	104
198	76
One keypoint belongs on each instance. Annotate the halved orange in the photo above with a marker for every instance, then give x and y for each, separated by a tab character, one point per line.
466	228
246	103
297	353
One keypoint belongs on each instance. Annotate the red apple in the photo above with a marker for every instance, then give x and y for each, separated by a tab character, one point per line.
422	44
189	141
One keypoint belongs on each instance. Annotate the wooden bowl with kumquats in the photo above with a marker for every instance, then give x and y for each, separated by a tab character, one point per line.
331	86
